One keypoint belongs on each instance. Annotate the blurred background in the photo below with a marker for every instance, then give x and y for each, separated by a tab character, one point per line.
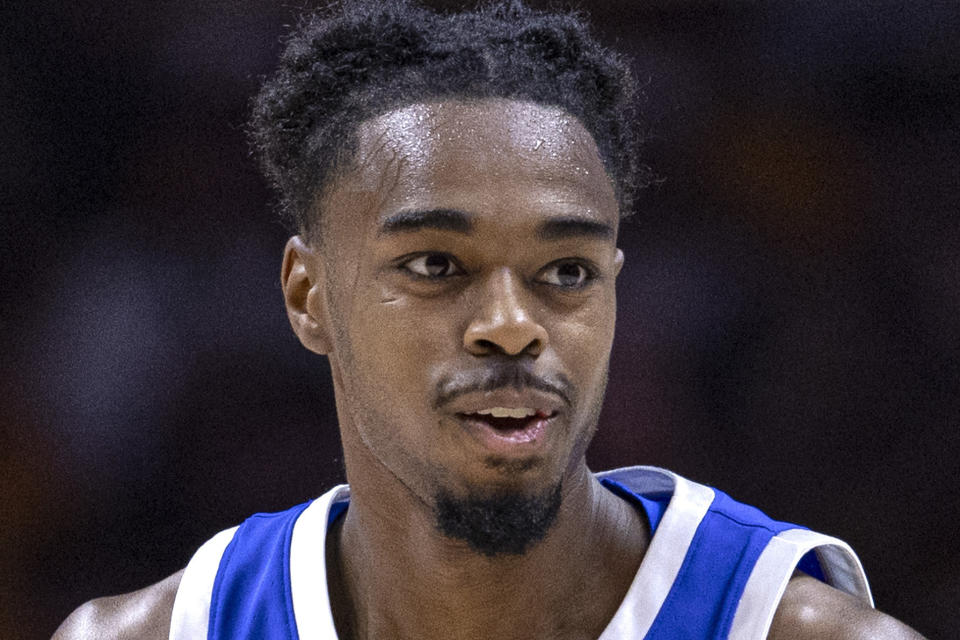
788	320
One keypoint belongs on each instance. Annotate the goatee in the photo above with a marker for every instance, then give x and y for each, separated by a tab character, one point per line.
506	523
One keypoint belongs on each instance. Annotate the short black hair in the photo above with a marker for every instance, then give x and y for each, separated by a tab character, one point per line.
358	59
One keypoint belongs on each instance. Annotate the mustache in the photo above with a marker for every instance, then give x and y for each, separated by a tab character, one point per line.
502	375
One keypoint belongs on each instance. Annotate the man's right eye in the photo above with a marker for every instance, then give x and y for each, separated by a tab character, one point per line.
432	265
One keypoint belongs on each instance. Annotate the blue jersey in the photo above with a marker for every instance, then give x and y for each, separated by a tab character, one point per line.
715	568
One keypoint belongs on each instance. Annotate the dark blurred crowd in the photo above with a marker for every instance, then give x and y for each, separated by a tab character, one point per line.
788	312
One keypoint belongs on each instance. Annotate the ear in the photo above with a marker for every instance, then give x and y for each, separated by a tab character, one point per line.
302	280
617	262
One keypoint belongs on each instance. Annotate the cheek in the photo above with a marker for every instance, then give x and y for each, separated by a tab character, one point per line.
585	349
591	325
394	340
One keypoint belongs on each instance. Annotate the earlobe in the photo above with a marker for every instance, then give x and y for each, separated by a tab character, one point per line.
301	278
617	262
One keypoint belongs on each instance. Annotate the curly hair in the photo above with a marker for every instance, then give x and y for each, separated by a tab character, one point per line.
358	59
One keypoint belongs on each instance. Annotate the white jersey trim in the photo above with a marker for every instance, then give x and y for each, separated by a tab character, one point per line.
776	565
667	549
308	568
190	617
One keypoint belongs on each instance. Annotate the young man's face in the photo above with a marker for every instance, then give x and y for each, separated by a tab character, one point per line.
470	258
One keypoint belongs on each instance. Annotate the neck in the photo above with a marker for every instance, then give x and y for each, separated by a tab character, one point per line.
393	575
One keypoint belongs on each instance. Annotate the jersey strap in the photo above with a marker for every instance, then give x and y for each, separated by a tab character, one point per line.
716	568
308	565
191	608
251	594
265	579
664	559
774	568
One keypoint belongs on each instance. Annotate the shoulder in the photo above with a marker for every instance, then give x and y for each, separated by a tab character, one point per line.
143	614
811	609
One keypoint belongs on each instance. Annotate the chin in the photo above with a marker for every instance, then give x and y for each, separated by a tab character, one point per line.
498	520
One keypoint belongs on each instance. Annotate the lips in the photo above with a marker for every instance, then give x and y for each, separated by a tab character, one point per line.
508	422
508	437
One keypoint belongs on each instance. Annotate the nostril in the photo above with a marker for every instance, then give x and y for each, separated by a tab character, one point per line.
508	338
486	345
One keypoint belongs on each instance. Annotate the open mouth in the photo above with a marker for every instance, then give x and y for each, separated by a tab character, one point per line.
507	431
507	424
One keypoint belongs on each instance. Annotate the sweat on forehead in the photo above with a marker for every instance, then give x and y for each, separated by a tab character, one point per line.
489	137
524	124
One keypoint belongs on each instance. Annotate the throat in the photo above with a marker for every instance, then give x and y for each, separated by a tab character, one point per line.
378	574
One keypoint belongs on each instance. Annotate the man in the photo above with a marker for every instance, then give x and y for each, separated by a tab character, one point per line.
456	182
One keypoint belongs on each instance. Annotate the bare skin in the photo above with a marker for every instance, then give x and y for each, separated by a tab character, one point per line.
470	236
140	614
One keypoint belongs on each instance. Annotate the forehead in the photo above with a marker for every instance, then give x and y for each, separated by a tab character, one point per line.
497	135
481	156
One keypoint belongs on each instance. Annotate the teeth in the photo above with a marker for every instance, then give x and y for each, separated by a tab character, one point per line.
504	412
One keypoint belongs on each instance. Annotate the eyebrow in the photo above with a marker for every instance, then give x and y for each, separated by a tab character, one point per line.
461	222
441	219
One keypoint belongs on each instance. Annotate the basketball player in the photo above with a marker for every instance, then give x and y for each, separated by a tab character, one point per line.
455	183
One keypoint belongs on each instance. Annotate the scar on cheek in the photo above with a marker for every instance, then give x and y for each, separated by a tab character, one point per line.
389	300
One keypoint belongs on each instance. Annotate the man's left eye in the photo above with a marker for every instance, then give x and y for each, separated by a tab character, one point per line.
567	274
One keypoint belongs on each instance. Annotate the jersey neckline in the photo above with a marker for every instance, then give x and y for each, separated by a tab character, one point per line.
633	618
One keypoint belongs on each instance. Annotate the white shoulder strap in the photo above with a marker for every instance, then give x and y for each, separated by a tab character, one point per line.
666	552
776	566
191	608
308	568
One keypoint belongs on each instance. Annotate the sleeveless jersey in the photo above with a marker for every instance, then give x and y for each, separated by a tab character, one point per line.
715	568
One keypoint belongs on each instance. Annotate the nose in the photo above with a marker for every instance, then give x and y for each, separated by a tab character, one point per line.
503	324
